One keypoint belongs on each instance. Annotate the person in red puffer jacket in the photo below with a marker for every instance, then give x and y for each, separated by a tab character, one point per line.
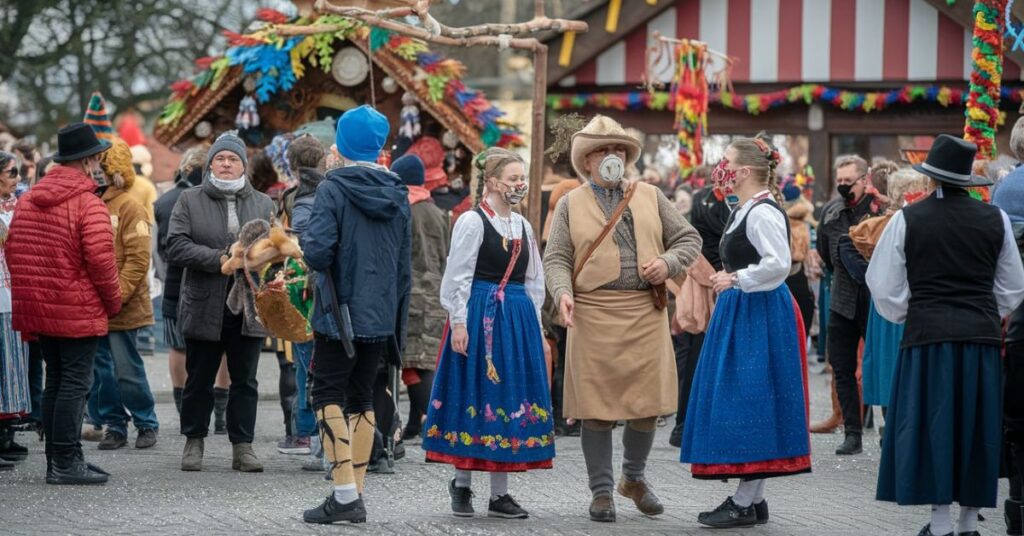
64	286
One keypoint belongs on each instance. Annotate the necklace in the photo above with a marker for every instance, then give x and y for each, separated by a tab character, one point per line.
506	223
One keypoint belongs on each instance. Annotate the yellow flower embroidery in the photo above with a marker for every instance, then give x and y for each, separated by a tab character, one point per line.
472	412
466	439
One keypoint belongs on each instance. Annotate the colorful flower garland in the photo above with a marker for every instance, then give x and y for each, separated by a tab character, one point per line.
756	103
689	97
986	76
279	62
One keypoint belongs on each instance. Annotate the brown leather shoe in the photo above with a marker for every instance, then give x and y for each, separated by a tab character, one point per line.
643	496
602	509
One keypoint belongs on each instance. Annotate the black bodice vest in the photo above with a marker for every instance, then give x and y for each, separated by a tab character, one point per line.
493	259
735	248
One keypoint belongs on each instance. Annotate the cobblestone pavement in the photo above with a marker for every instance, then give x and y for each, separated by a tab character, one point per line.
149	495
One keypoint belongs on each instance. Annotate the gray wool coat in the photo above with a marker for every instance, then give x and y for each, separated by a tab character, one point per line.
196	239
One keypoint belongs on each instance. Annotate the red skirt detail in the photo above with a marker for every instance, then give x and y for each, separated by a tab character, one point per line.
781	467
475	464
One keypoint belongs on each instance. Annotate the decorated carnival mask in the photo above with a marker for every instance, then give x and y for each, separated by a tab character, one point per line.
724	180
513	194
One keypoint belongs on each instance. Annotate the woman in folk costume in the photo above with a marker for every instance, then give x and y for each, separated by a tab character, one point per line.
15	401
612	246
747	415
949	269
490	409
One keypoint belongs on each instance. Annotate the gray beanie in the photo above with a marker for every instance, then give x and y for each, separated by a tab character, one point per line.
227	142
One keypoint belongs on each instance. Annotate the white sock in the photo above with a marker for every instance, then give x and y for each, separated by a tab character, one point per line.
315	448
942	523
968	519
463	479
499	485
745	492
346	493
759	492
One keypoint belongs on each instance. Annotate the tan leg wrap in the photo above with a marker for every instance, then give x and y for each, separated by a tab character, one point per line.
334	436
362	426
648	424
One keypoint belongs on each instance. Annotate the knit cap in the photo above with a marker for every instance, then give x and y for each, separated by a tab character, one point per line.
97	117
410	169
361	134
227	142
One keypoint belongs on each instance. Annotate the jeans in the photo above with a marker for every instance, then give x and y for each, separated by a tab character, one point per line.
68	379
120	384
35	381
302	412
344	381
202	359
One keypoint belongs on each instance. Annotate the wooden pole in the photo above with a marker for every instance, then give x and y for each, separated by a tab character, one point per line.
540	93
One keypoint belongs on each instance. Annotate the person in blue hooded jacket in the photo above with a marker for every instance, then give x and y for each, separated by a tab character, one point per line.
358	239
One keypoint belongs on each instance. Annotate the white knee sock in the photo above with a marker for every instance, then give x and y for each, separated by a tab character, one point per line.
499	485
463	479
942	523
745	492
346	493
759	492
968	519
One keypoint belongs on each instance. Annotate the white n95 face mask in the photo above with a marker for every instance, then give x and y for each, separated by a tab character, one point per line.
612	169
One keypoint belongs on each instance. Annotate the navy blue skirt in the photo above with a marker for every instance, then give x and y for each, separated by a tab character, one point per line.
944	427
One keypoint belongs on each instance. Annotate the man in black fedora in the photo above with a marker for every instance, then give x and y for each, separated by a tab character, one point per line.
948	267
64	286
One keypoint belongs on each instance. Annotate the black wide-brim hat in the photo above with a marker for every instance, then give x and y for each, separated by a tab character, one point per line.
951	160
77	141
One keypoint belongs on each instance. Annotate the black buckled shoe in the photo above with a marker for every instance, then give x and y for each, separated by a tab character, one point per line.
729	515
506	507
462	500
927	531
332	511
75	472
851	445
761	509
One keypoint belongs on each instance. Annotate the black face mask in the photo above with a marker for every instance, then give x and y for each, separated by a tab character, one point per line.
846	190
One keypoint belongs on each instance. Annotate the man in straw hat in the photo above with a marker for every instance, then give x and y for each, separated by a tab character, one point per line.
948	267
611	248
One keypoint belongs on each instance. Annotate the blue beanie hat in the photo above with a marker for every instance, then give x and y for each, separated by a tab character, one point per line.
410	169
790	192
1009	195
361	134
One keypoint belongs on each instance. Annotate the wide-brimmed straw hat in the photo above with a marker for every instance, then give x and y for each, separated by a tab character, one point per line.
599	132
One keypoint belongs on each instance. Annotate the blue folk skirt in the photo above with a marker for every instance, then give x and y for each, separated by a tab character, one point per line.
881	348
14	393
747	413
475	423
943	429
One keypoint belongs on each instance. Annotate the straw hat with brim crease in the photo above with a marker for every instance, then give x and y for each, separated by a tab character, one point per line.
950	161
599	132
77	141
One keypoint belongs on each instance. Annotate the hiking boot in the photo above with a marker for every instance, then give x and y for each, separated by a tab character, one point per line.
462	500
293	445
761	509
92	433
146	438
851	445
112	440
331	511
74	471
602	508
506	507
728	515
192	457
244	459
643	497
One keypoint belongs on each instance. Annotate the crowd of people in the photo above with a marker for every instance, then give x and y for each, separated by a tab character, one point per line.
628	307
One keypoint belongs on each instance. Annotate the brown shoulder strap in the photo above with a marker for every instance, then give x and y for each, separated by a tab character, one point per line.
612	221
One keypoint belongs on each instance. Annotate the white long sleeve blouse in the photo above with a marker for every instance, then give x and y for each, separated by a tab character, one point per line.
766	231
467	236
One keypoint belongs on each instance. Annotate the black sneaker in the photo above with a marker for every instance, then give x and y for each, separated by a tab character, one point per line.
761	509
146	438
112	441
462	500
332	511
506	507
729	515
13	452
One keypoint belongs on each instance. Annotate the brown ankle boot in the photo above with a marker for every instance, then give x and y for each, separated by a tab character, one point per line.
192	457
244	459
644	498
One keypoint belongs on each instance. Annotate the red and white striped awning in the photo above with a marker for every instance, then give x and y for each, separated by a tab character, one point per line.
795	41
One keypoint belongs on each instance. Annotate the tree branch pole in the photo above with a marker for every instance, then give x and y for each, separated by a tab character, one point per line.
411	31
540	93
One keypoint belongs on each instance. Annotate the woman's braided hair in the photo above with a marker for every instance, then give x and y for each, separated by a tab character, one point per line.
488	163
762	158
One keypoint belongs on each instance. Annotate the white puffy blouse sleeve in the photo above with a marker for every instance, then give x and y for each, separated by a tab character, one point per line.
766	230
1008	285
457	283
887	272
534	271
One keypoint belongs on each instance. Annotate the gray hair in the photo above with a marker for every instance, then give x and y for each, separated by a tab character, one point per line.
844	160
1017	139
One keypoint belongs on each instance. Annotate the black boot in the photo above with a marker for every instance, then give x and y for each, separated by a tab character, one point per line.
675	438
331	511
852	445
728	515
1012	514
177	399
73	471
9	449
220	407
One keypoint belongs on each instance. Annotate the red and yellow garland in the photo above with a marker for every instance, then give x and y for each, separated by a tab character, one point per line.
986	76
689	96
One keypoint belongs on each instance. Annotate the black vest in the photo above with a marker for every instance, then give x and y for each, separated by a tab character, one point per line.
952	248
493	260
736	250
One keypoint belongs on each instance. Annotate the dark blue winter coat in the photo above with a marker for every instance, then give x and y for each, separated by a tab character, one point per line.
360	230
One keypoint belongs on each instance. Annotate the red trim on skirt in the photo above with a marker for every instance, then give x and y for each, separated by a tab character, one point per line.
476	464
784	466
